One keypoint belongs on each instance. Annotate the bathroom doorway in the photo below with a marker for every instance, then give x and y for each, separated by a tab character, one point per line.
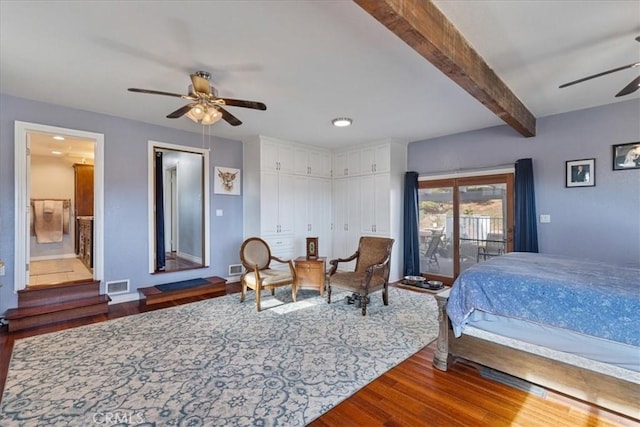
59	221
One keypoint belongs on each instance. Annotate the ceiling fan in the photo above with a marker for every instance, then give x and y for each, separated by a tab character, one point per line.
207	107
628	89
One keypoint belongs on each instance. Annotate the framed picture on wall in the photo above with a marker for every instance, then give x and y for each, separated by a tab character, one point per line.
581	173
227	181
626	156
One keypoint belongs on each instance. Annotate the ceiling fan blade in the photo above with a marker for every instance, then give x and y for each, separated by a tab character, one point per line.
635	64
155	92
630	88
229	118
181	111
246	104
200	84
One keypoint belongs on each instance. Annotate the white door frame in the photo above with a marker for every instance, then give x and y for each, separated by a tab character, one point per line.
22	191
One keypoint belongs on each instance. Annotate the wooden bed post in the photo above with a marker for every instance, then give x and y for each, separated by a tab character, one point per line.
440	358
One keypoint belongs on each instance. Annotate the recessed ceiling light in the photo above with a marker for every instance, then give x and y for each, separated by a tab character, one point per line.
58	138
342	122
57	153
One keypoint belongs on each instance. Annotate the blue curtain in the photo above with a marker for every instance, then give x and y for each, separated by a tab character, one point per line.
159	184
526	232
410	238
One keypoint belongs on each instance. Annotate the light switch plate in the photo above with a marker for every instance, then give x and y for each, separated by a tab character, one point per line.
218	212
545	218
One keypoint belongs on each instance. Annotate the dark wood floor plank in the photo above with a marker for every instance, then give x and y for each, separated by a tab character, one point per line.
411	394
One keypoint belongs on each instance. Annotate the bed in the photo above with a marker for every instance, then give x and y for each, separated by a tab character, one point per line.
569	325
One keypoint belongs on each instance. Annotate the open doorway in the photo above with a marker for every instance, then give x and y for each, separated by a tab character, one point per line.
58	205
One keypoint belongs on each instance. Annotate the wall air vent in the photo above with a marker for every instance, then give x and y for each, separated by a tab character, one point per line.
118	287
235	269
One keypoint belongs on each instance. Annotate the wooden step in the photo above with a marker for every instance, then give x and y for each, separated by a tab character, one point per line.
34	296
152	295
31	316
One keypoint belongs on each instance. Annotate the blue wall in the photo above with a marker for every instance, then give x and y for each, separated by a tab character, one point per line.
125	192
599	223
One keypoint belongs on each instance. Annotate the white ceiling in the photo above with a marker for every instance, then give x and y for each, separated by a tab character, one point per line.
310	61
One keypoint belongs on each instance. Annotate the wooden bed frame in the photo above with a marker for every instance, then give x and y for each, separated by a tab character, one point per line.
599	389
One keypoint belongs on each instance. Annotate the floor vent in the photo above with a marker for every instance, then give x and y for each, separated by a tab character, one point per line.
235	269
118	287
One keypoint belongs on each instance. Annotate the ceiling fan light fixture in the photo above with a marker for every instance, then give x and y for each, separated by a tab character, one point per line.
211	116
342	122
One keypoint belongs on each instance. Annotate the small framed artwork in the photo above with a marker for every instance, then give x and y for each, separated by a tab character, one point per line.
312	247
626	156
227	181
581	173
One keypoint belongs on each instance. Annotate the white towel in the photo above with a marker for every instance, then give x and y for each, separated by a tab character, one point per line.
49	206
48	227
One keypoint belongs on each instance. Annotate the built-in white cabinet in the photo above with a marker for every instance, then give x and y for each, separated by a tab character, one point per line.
367	197
347	163
375	159
375	204
276	156
346	218
277	199
312	162
287	195
312	213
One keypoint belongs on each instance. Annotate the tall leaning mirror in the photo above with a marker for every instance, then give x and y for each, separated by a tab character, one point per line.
178	207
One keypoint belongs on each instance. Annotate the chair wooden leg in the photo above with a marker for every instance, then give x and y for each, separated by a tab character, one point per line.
363	302
258	291
328	293
243	291
385	295
294	292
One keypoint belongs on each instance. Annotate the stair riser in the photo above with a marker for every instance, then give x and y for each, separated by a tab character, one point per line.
55	294
60	316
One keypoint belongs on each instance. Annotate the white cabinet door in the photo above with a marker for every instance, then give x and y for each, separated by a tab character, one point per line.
268	156
319	163
375	209
376	159
367	214
286	158
269	202
301	214
286	201
382	159
301	161
354	163
340	217
339	168
276	203
368	160
382	197
319	213
354	203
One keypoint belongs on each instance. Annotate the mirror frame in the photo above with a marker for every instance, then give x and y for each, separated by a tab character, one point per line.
152	146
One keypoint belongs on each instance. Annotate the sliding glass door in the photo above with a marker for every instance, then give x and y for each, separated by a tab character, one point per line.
463	221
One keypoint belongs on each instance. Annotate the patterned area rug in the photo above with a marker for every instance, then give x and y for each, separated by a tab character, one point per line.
215	362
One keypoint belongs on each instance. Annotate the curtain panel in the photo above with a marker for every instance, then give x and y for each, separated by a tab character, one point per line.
410	240
526	228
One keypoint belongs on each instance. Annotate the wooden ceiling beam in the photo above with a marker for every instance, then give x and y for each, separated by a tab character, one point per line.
423	27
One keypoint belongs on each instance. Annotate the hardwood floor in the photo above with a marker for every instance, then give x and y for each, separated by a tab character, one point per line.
411	394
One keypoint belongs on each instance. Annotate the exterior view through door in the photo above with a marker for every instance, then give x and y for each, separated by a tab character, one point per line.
463	221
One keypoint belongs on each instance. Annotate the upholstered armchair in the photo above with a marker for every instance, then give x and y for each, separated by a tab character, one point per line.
256	258
371	273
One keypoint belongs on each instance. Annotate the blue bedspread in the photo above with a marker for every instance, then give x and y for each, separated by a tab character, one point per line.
593	298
